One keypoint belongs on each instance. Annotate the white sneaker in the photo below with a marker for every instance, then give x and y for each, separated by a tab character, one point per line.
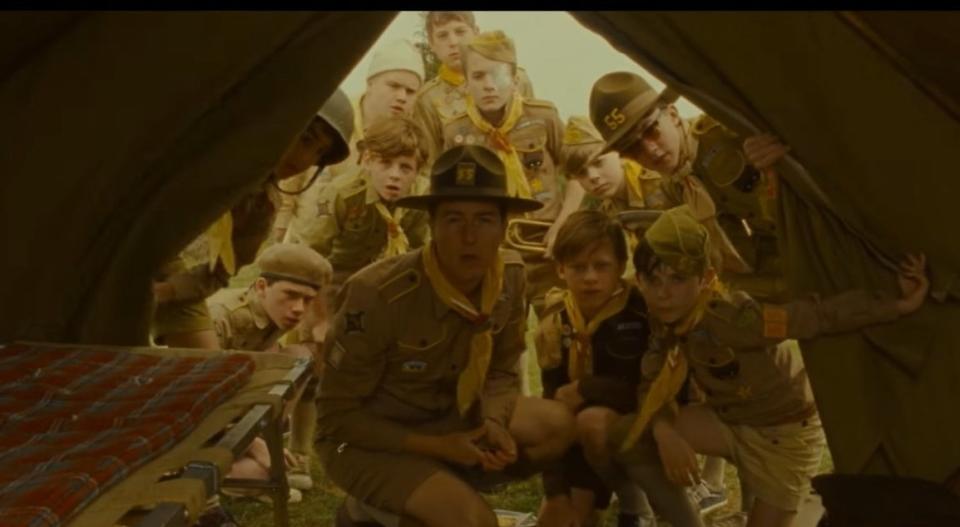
706	499
299	480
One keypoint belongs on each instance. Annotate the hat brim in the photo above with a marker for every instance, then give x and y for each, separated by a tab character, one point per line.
616	140
426	201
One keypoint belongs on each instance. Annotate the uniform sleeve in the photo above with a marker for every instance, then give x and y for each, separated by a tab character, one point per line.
356	358
426	115
221	325
197	282
252	227
318	228
502	385
753	324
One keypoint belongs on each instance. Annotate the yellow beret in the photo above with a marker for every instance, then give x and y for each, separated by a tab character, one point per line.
495	45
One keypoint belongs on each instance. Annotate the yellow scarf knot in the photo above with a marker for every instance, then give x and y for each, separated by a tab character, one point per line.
397	242
451	76
673	373
580	361
517	184
472	378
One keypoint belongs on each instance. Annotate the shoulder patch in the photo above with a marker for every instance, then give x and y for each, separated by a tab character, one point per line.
774	321
400	285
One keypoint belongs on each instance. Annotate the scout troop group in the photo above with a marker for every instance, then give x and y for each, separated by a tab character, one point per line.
663	317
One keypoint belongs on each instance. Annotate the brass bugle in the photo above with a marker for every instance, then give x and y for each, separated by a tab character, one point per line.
534	242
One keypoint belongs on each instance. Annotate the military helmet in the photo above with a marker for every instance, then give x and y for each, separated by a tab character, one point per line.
337	112
295	263
469	172
622	101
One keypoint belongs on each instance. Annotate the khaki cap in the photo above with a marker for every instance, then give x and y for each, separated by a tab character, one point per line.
295	263
679	240
582	143
495	45
622	101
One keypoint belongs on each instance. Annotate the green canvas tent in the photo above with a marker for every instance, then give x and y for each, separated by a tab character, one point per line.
124	134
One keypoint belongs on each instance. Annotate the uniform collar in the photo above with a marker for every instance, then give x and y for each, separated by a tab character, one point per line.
260	317
440	307
371	195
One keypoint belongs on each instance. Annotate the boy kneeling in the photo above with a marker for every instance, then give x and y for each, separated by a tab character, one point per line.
591	342
759	411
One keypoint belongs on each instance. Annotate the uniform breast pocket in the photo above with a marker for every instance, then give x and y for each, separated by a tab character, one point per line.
420	351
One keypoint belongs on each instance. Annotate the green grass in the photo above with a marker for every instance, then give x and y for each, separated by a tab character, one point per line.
320	504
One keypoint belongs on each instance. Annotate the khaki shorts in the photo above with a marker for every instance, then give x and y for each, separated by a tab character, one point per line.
171	318
777	462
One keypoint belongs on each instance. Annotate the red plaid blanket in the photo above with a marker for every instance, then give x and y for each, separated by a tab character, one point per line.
73	421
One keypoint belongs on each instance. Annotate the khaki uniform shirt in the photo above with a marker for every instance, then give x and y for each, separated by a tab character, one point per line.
537	137
652	197
190	274
738	357
241	322
395	351
439	102
345	226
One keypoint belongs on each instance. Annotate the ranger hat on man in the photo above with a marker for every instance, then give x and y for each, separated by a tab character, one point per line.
469	172
295	263
338	113
621	102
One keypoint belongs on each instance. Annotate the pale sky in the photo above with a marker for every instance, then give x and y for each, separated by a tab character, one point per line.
562	58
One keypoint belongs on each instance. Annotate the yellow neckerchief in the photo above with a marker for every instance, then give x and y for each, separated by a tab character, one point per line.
517	184
220	244
481	343
397	242
663	391
451	76
580	361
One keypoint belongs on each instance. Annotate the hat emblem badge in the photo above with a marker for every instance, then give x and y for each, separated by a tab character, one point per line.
466	174
614	119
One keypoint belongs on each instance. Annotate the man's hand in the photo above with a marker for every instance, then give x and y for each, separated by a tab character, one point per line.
558	511
569	395
460	447
679	460
914	283
163	292
501	449
764	150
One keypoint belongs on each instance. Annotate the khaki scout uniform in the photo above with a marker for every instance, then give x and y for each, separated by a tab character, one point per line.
394	356
737	354
744	198
647	195
241	322
194	281
345	226
440	102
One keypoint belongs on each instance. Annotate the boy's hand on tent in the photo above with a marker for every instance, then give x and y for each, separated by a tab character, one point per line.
914	283
764	150
678	458
569	395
